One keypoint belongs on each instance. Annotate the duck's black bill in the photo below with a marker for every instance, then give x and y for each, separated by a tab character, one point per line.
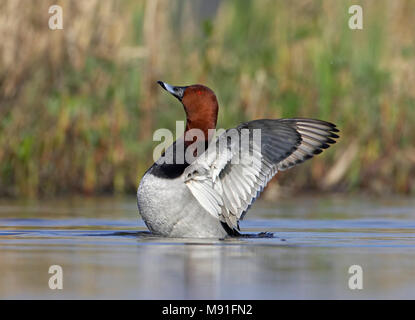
178	92
161	83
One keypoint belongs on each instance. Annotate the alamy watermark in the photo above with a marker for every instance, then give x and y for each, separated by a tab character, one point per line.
356	20
56	280
56	20
356	280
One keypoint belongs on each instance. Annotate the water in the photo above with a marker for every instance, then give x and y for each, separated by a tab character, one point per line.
106	252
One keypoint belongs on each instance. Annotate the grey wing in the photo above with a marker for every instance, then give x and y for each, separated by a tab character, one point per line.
230	175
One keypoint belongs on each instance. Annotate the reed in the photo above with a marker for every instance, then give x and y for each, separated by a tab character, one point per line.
78	106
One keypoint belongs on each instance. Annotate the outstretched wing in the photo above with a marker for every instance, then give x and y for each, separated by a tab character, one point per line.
233	171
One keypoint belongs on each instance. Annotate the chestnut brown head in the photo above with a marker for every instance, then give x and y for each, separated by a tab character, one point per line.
200	105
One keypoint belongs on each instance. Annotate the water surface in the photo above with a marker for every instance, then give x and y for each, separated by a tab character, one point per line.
106	252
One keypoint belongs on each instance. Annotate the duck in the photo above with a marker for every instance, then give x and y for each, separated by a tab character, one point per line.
207	195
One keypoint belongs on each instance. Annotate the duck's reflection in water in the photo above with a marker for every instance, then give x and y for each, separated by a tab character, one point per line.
161	268
197	270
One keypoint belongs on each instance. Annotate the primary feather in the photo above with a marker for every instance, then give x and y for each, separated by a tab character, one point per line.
229	176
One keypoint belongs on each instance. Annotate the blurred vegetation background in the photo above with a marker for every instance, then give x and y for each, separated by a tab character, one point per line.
78	106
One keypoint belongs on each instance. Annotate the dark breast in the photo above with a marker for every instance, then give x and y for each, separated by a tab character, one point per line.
171	170
168	171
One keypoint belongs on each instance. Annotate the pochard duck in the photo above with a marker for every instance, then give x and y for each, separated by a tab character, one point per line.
207	196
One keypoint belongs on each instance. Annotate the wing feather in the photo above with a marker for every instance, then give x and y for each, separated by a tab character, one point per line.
228	178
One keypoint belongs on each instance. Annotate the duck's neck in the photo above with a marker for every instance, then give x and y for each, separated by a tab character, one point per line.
201	107
202	126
